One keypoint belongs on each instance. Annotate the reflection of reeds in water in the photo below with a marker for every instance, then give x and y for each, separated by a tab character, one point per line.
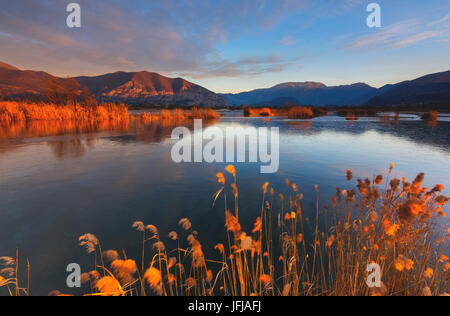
305	125
351	117
431	118
54	128
385	118
390	222
156	130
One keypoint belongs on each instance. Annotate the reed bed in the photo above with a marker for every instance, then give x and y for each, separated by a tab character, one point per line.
388	221
179	115
11	112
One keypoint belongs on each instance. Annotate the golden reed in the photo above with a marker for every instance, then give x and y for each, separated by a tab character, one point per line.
13	112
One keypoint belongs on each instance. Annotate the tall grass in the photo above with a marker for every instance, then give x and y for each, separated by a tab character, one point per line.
179	115
9	276
11	112
387	221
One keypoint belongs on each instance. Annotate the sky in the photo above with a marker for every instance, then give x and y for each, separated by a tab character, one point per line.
231	45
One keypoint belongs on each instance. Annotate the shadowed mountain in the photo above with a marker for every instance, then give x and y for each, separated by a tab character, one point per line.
430	90
307	93
278	102
136	88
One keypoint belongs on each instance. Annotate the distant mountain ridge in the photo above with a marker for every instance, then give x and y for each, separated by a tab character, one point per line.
307	93
135	88
429	90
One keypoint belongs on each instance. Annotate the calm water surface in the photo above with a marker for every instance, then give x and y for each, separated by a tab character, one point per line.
58	182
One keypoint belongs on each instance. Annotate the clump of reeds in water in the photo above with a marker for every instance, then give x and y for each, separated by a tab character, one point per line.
292	112
385	220
431	116
352	117
252	112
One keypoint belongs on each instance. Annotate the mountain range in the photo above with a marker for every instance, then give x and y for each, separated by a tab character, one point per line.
134	88
149	88
432	89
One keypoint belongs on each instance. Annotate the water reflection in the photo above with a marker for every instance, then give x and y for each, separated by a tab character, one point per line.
61	180
54	128
426	132
155	131
71	148
80	136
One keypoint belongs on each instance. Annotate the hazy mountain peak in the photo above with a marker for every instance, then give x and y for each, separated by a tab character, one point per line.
6	66
306	93
300	85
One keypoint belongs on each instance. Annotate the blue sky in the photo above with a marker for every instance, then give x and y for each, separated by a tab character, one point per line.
233	45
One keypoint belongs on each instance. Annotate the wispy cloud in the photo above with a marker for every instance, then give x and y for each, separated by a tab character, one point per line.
413	39
440	21
242	67
385	36
406	33
288	40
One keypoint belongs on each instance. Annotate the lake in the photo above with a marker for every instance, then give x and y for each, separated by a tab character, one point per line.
59	181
